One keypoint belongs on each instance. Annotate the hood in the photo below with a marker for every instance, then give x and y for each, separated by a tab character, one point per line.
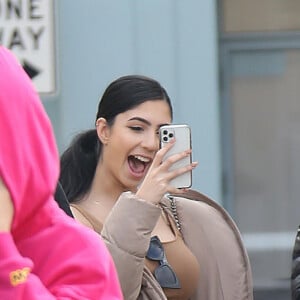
29	162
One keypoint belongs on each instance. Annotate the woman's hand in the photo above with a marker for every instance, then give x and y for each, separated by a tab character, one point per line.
6	209
157	181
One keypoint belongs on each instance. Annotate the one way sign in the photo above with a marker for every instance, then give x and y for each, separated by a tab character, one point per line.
27	28
31	70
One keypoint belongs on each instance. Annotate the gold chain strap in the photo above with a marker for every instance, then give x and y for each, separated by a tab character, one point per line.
174	211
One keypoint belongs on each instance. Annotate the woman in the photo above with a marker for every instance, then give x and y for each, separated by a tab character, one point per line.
34	262
117	182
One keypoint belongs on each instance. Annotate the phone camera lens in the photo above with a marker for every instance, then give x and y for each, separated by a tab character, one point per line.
165	139
171	135
165	132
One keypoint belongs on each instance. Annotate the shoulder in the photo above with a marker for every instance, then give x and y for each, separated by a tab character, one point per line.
191	205
195	202
78	215
195	210
209	221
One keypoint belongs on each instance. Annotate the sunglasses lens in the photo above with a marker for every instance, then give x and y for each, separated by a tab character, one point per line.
166	277
155	251
163	273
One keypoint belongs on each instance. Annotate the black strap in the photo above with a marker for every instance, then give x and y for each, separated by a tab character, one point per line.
61	199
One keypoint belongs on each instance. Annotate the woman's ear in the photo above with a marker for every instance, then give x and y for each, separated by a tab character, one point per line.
103	130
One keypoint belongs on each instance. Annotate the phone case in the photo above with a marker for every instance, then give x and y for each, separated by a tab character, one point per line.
182	134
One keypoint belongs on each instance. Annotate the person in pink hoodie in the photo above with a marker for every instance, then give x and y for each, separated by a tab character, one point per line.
44	254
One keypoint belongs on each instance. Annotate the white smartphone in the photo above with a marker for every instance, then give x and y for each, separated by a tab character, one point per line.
182	134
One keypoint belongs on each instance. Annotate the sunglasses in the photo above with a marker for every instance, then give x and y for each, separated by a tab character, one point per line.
164	274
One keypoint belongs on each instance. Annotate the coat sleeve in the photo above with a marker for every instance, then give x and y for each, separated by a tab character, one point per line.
70	278
15	272
127	232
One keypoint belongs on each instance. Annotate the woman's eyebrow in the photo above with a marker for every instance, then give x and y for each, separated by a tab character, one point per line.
163	124
140	119
146	121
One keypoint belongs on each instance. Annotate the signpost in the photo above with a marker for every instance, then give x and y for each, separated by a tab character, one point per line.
27	28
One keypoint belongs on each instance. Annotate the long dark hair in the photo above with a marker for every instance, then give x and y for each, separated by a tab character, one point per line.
79	161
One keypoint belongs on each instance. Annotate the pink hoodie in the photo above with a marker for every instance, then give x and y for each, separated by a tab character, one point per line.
47	255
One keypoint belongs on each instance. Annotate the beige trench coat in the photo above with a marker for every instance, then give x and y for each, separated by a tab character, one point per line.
209	232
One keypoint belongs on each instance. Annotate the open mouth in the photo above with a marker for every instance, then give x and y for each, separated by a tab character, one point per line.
138	164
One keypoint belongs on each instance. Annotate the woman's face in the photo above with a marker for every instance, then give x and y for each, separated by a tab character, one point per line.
130	144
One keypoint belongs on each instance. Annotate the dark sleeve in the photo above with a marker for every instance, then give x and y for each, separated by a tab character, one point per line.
295	274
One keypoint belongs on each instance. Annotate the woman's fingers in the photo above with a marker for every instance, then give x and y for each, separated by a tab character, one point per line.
162	152
158	179
176	157
171	174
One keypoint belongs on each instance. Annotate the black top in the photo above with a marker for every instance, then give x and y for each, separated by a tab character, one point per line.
61	199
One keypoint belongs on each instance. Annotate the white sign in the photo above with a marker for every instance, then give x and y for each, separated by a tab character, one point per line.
27	28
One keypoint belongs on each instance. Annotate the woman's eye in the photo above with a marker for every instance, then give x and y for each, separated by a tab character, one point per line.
136	128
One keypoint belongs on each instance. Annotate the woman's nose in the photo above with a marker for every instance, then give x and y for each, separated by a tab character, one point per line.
151	142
